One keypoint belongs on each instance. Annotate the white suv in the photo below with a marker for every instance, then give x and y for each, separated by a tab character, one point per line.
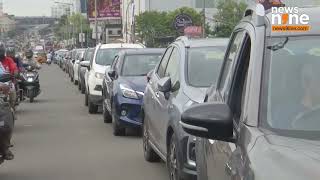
102	60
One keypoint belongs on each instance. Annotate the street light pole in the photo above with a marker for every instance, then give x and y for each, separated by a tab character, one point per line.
96	21
204	20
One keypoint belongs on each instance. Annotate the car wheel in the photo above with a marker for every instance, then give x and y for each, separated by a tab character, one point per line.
149	154
79	86
83	90
93	109
75	82
172	160
86	99
106	115
117	129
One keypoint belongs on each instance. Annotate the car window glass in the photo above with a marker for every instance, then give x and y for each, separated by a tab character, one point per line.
172	69
234	48
239	83
164	62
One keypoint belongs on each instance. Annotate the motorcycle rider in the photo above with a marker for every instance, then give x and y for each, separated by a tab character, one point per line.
9	65
6	120
30	61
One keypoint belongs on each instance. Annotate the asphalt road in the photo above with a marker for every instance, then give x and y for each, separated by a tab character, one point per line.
56	139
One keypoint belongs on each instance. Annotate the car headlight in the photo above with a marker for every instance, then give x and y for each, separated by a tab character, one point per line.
99	75
128	92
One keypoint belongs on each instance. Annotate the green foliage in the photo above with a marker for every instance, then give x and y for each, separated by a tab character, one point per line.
154	27
71	24
229	14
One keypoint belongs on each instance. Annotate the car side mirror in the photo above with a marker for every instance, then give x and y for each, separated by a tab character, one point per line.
77	61
164	85
85	64
209	120
112	74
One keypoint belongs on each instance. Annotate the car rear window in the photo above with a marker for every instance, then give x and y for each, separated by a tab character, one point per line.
204	64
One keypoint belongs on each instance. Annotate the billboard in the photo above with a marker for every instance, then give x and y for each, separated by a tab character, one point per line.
107	9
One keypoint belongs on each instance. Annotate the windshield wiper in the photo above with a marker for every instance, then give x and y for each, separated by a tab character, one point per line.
278	46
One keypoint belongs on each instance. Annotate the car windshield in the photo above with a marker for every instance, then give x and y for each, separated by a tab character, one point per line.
105	57
292	98
89	54
204	65
142	64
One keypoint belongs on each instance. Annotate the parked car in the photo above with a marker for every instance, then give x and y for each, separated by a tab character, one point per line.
186	70
262	120
76	65
88	56
102	60
124	85
71	62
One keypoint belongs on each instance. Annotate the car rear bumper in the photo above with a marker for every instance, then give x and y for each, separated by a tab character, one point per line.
96	100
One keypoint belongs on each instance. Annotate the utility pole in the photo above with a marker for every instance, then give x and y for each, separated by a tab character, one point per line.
96	21
204	20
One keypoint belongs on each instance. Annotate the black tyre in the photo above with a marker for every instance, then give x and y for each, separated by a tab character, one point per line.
86	99
106	115
31	96
83	89
173	163
117	129
75	82
149	154
93	109
79	86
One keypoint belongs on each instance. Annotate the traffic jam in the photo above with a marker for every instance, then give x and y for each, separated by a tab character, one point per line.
238	107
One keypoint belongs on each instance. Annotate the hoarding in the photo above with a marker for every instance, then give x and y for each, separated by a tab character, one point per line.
106	9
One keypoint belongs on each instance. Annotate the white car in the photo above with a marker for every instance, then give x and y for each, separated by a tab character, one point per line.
102	60
76	65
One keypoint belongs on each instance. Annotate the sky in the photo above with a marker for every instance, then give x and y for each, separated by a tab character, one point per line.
28	7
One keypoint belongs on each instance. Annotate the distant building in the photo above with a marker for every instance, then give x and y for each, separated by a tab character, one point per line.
58	10
7	23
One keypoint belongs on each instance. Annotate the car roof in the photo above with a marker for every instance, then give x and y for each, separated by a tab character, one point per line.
120	45
312	12
194	43
142	51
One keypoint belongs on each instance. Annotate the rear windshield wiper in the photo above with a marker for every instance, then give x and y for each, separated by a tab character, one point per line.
279	45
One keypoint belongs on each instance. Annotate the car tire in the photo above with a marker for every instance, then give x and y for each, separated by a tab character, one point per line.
83	90
173	163
117	129
93	109
75	82
149	154
79	86
86	99
106	115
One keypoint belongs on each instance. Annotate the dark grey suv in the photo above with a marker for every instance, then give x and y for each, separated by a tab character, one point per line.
186	70
262	120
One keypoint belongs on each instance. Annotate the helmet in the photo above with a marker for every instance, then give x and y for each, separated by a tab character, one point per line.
29	54
11	51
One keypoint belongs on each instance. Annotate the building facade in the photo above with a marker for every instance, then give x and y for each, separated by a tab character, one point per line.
7	23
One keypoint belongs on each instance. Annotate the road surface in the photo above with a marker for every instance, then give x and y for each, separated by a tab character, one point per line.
56	139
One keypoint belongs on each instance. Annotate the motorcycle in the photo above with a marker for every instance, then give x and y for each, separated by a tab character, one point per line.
6	113
30	83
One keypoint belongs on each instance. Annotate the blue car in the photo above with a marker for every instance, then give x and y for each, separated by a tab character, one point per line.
124	85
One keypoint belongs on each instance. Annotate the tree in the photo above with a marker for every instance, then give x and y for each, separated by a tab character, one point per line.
156	28
229	14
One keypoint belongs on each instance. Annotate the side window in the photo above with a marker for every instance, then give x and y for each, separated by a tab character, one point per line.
172	69
238	89
164	62
233	51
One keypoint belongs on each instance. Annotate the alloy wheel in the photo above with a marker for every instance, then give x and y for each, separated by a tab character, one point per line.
173	164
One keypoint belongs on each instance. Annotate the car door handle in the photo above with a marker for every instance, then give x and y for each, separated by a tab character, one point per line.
157	94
